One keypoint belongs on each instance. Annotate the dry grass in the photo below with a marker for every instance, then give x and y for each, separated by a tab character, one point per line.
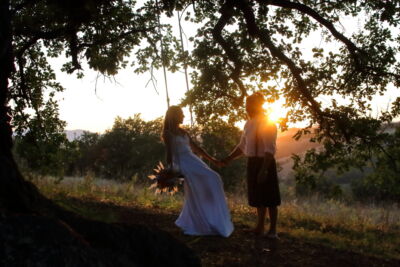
369	229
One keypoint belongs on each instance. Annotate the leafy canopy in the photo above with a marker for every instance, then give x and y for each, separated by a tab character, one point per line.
103	34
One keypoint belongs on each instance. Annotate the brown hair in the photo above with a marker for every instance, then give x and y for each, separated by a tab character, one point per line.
255	103
257	98
171	121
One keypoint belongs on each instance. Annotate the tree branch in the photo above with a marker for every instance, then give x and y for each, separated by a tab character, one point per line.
23	5
23	89
227	13
264	37
70	33
308	100
304	9
26	46
106	41
46	35
73	47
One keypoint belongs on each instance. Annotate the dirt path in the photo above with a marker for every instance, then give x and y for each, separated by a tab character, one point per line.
241	249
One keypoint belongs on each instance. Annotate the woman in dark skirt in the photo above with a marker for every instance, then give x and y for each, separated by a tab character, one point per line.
266	192
258	143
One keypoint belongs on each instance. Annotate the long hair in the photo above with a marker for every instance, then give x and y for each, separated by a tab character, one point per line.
171	121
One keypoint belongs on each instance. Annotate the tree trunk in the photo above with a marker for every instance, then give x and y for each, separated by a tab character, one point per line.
16	195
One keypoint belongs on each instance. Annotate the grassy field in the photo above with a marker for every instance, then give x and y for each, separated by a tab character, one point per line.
313	232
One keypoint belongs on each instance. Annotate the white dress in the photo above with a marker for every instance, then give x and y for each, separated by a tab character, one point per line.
204	211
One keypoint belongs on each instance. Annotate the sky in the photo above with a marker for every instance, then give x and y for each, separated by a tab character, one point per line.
92	106
83	105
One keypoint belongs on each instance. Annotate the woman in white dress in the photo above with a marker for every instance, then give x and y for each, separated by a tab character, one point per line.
205	211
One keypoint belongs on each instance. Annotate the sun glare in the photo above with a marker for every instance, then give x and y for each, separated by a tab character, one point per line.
275	111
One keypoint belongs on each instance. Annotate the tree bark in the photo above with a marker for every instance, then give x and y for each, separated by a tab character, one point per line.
6	67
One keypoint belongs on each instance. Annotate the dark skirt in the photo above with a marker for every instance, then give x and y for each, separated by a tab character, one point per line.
265	194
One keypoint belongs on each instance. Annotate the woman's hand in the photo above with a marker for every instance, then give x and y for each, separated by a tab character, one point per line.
236	153
225	161
217	163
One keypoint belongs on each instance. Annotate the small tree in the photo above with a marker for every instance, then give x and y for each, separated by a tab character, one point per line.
42	144
131	146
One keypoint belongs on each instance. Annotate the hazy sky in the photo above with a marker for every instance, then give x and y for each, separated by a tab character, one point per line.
84	107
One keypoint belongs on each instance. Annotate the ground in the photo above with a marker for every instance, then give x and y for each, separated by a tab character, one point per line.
240	249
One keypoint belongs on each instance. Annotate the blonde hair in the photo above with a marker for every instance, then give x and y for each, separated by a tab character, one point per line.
171	121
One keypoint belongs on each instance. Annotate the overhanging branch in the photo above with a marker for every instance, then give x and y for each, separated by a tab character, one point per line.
304	9
307	99
106	41
227	13
264	37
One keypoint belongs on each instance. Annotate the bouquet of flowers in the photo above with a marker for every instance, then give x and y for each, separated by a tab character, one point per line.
166	180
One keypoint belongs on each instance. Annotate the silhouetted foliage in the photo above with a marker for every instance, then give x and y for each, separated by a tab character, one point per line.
377	177
131	146
41	144
384	181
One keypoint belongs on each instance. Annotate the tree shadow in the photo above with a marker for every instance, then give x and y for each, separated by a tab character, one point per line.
241	248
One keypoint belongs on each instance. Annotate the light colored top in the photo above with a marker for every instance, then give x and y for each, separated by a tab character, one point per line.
180	145
266	133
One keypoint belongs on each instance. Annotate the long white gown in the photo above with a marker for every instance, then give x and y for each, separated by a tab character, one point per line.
205	211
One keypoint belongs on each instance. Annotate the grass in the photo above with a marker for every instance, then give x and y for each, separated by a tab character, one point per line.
368	229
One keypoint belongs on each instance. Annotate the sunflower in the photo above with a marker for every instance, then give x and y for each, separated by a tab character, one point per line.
165	180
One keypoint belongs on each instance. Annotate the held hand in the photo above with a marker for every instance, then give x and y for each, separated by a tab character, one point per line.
225	161
217	163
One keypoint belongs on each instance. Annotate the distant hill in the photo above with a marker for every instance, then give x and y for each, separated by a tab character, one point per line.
74	134
286	145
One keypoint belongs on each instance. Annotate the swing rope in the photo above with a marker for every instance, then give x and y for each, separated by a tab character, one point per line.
185	66
162	54
163	60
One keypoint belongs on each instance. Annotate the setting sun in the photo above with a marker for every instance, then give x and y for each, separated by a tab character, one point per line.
275	111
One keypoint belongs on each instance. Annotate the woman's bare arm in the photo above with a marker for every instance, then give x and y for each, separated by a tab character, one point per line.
198	150
236	153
